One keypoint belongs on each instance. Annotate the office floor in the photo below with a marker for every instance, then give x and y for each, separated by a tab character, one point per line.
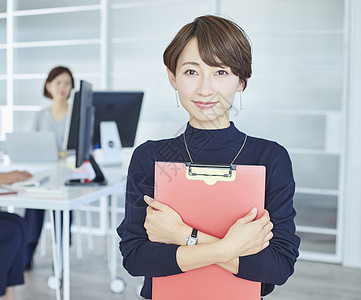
90	279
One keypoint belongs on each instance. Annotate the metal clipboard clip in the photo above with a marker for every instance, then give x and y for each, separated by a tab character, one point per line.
210	174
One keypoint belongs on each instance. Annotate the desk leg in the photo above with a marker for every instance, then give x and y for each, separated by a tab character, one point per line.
114	240
55	255
66	256
117	285
58	240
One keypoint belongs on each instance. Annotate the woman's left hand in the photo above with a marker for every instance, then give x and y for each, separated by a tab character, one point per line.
164	225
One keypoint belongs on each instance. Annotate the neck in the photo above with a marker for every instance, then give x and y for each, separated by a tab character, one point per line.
59	104
217	124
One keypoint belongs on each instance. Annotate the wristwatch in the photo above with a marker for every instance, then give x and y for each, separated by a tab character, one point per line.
192	240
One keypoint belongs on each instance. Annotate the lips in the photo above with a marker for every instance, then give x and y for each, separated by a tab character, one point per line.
204	105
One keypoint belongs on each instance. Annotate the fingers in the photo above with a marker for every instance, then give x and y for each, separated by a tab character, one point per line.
18	176
266	222
265	245
269	236
265	219
250	216
268	226
21	177
27	174
149	209
267	229
154	203
24	175
267	239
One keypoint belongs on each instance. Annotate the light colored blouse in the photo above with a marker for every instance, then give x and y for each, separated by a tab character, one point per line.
44	121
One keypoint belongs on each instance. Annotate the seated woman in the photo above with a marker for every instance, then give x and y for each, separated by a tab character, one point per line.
57	88
12	240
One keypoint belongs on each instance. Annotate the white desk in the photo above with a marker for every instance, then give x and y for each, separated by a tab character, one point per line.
77	196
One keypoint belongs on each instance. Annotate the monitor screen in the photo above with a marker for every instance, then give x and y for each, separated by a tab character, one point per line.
72	124
85	116
121	107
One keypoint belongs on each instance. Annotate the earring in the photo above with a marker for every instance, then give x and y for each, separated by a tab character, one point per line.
176	96
240	100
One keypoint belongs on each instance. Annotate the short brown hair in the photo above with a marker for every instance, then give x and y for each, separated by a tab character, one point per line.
221	42
55	72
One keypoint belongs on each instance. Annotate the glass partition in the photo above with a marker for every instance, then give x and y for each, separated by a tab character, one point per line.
80	58
316	242
285	16
294	91
2	92
2	6
316	210
76	25
38	4
23	120
290	130
317	171
2	61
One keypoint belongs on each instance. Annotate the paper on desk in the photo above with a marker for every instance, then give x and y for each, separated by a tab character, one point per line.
31	182
47	191
9	188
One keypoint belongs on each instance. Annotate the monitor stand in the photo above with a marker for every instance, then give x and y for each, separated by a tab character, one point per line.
111	145
98	180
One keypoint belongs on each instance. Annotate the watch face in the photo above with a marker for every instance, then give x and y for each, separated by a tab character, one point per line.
192	241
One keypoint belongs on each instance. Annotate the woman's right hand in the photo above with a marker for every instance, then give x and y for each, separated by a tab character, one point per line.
63	154
248	236
14	176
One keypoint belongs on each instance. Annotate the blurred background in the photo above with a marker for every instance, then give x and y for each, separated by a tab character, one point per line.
304	91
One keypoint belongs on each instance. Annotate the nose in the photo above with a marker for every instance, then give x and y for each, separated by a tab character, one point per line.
63	87
205	87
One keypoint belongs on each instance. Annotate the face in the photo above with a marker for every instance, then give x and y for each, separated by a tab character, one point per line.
60	87
206	92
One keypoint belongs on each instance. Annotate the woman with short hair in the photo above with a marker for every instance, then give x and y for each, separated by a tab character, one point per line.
208	62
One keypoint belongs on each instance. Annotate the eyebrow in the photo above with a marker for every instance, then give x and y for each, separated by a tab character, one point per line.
190	63
197	64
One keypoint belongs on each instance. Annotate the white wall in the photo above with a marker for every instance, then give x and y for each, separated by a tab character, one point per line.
298	95
352	212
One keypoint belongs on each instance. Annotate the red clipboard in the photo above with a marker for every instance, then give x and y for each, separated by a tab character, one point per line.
211	199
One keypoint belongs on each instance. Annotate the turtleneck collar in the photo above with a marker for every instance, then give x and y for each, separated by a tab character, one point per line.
212	138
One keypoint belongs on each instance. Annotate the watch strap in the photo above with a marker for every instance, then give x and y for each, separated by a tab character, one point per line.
194	233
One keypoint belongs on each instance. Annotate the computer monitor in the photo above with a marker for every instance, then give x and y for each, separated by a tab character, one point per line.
72	124
82	129
86	123
120	107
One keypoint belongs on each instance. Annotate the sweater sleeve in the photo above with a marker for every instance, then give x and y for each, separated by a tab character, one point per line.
275	264
142	257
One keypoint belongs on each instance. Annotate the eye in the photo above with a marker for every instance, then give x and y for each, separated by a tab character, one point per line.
222	72
190	72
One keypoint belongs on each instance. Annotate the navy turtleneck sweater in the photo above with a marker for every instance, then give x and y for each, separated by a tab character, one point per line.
271	266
